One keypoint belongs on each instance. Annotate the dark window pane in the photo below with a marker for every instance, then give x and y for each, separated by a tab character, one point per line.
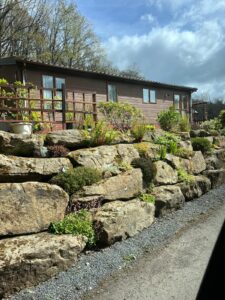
184	103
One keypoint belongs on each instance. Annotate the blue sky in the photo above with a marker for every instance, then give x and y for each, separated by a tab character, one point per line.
174	41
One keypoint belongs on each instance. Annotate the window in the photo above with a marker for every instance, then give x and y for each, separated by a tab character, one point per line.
49	83
149	96
152	96
58	84
177	101
184	103
146	96
112	93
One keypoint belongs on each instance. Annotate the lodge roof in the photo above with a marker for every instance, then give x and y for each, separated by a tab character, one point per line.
90	74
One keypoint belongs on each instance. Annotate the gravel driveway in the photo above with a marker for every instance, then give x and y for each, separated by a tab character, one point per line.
165	261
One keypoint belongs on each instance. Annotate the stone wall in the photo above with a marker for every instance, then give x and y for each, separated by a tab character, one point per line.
29	203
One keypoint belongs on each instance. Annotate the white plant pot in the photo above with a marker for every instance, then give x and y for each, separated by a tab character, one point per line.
22	128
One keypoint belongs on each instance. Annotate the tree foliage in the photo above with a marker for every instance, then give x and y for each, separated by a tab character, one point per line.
54	32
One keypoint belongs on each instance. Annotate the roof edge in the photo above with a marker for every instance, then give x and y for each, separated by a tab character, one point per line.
14	60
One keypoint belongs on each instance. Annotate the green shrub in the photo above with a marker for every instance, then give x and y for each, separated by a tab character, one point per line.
142	149
169	119
184	124
73	180
223	132
138	131
172	147
120	115
145	164
184	176
76	223
168	140
147	198
162	152
222	118
213	124
184	153
201	144
214	133
100	134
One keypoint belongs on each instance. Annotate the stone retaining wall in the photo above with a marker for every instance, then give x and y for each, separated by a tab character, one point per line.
28	203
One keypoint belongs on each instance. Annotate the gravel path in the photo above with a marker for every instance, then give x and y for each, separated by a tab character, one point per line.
95	267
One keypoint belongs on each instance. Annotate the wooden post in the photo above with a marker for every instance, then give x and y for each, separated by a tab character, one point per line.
63	106
94	107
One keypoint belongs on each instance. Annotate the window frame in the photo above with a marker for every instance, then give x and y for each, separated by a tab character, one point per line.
53	90
149	95
110	84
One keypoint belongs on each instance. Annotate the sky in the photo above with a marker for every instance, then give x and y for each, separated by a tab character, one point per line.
172	41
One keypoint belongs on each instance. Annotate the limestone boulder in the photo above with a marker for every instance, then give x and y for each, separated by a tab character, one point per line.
13	168
119	220
197	163
123	186
30	207
71	139
177	162
148	149
186	144
195	189
217	177
20	144
185	136
28	260
104	157
164	173
167	199
199	133
216	160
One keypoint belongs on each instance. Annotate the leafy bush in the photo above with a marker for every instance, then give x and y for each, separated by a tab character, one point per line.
222	118
213	124
168	119
223	132
201	144
142	149
184	153
120	115
76	223
147	198
162	152
57	151
73	180
145	164
214	133
168	140
184	124
123	166
138	131
100	134
184	176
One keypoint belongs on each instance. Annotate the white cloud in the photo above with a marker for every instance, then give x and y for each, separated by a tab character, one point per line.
149	18
188	51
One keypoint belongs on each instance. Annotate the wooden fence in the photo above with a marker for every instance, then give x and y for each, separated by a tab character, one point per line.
64	108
